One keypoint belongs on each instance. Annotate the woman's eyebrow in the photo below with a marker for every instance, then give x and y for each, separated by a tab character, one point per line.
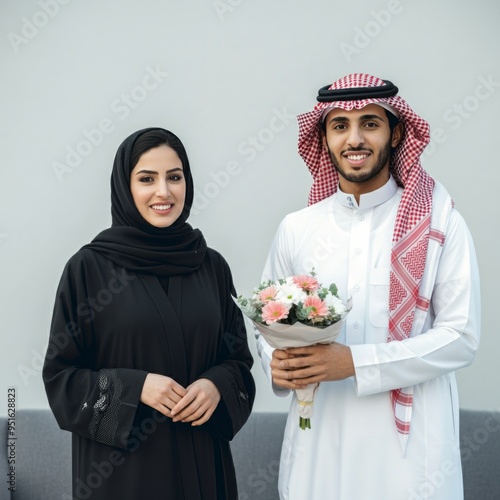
151	172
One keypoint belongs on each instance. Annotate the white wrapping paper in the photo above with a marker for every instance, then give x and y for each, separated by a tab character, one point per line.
282	336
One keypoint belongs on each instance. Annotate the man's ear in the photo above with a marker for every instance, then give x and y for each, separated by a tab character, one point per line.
397	134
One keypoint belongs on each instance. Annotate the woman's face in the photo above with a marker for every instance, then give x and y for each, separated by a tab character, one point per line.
158	186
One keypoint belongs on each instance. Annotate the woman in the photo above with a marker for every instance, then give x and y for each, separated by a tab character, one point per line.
148	364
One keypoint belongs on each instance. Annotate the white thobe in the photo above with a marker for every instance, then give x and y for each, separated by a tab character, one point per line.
352	451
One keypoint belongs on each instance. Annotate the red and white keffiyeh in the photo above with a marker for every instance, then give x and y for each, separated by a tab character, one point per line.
412	228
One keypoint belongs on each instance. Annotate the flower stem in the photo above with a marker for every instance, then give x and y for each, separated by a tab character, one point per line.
304	423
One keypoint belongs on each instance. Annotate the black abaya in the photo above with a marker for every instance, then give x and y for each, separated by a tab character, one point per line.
110	328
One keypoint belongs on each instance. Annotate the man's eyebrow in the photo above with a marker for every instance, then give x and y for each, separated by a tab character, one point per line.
371	117
343	119
339	119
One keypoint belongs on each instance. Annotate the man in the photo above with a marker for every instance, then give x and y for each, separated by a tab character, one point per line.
385	424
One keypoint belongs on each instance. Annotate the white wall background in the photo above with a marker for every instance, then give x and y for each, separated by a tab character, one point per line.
223	70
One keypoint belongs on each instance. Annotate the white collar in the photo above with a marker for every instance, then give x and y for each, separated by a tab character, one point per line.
369	200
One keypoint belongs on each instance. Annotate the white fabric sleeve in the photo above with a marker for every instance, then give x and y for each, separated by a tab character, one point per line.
278	265
451	333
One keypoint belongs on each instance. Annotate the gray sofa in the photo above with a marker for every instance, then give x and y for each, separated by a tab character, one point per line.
43	456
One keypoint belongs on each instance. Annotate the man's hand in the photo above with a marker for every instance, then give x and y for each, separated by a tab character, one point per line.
297	367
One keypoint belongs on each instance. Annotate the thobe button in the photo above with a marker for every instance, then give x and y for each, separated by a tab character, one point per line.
357	288
361	217
358	251
355	324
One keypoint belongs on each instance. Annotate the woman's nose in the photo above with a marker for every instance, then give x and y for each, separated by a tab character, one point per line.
162	189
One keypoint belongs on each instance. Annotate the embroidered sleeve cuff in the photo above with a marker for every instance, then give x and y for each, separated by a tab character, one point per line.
132	382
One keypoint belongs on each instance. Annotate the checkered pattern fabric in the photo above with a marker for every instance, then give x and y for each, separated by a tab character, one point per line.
411	232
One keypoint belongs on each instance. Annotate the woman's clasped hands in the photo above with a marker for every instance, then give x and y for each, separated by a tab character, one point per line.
194	404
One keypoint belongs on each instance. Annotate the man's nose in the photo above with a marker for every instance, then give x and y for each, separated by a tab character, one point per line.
356	137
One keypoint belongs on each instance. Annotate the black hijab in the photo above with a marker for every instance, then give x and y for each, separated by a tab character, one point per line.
131	242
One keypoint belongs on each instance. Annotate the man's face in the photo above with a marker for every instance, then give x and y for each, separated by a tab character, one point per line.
359	143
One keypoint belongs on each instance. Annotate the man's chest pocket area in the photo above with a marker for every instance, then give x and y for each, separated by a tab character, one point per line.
378	297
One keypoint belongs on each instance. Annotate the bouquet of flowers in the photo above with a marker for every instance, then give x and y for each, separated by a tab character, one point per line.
296	312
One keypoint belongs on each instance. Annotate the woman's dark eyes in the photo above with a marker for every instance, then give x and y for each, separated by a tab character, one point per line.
171	178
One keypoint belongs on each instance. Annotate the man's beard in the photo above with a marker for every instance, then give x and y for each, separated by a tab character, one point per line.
382	159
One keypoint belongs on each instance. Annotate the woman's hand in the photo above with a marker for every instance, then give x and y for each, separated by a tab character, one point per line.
198	404
161	393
